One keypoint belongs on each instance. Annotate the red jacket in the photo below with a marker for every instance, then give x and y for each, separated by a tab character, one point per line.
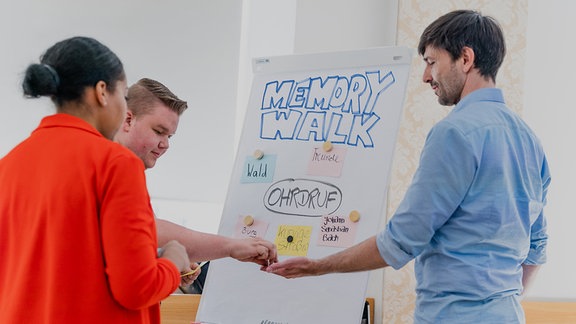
77	234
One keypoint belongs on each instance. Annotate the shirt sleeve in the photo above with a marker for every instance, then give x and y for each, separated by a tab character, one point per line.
447	167
136	276
538	230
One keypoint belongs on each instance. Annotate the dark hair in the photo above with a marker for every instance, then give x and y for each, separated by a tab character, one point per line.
457	29
69	66
143	93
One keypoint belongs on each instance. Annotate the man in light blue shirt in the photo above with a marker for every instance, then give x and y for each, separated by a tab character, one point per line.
472	217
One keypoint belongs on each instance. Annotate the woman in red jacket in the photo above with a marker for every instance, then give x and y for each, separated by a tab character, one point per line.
77	235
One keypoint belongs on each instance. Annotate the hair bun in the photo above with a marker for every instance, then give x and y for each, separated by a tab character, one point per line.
40	80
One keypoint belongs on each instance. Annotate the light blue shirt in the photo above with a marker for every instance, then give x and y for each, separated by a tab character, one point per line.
472	214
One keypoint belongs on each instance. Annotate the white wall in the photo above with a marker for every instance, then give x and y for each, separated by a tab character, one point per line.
550	109
191	46
337	25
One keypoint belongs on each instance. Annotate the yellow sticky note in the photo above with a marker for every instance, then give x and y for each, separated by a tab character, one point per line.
293	240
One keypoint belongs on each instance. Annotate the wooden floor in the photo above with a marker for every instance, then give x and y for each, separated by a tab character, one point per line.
181	309
549	312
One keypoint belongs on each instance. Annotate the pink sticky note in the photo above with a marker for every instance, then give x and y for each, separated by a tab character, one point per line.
337	231
322	163
257	229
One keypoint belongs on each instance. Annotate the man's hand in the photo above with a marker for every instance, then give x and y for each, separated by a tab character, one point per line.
294	268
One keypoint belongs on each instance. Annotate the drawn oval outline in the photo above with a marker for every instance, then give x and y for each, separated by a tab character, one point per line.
303	197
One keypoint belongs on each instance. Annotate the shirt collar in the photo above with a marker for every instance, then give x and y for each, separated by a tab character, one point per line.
483	94
66	120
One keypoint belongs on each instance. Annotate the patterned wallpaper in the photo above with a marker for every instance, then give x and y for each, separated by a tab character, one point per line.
421	111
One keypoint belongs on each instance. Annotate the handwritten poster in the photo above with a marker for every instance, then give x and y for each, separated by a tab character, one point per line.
312	171
293	240
337	231
249	226
327	163
260	169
